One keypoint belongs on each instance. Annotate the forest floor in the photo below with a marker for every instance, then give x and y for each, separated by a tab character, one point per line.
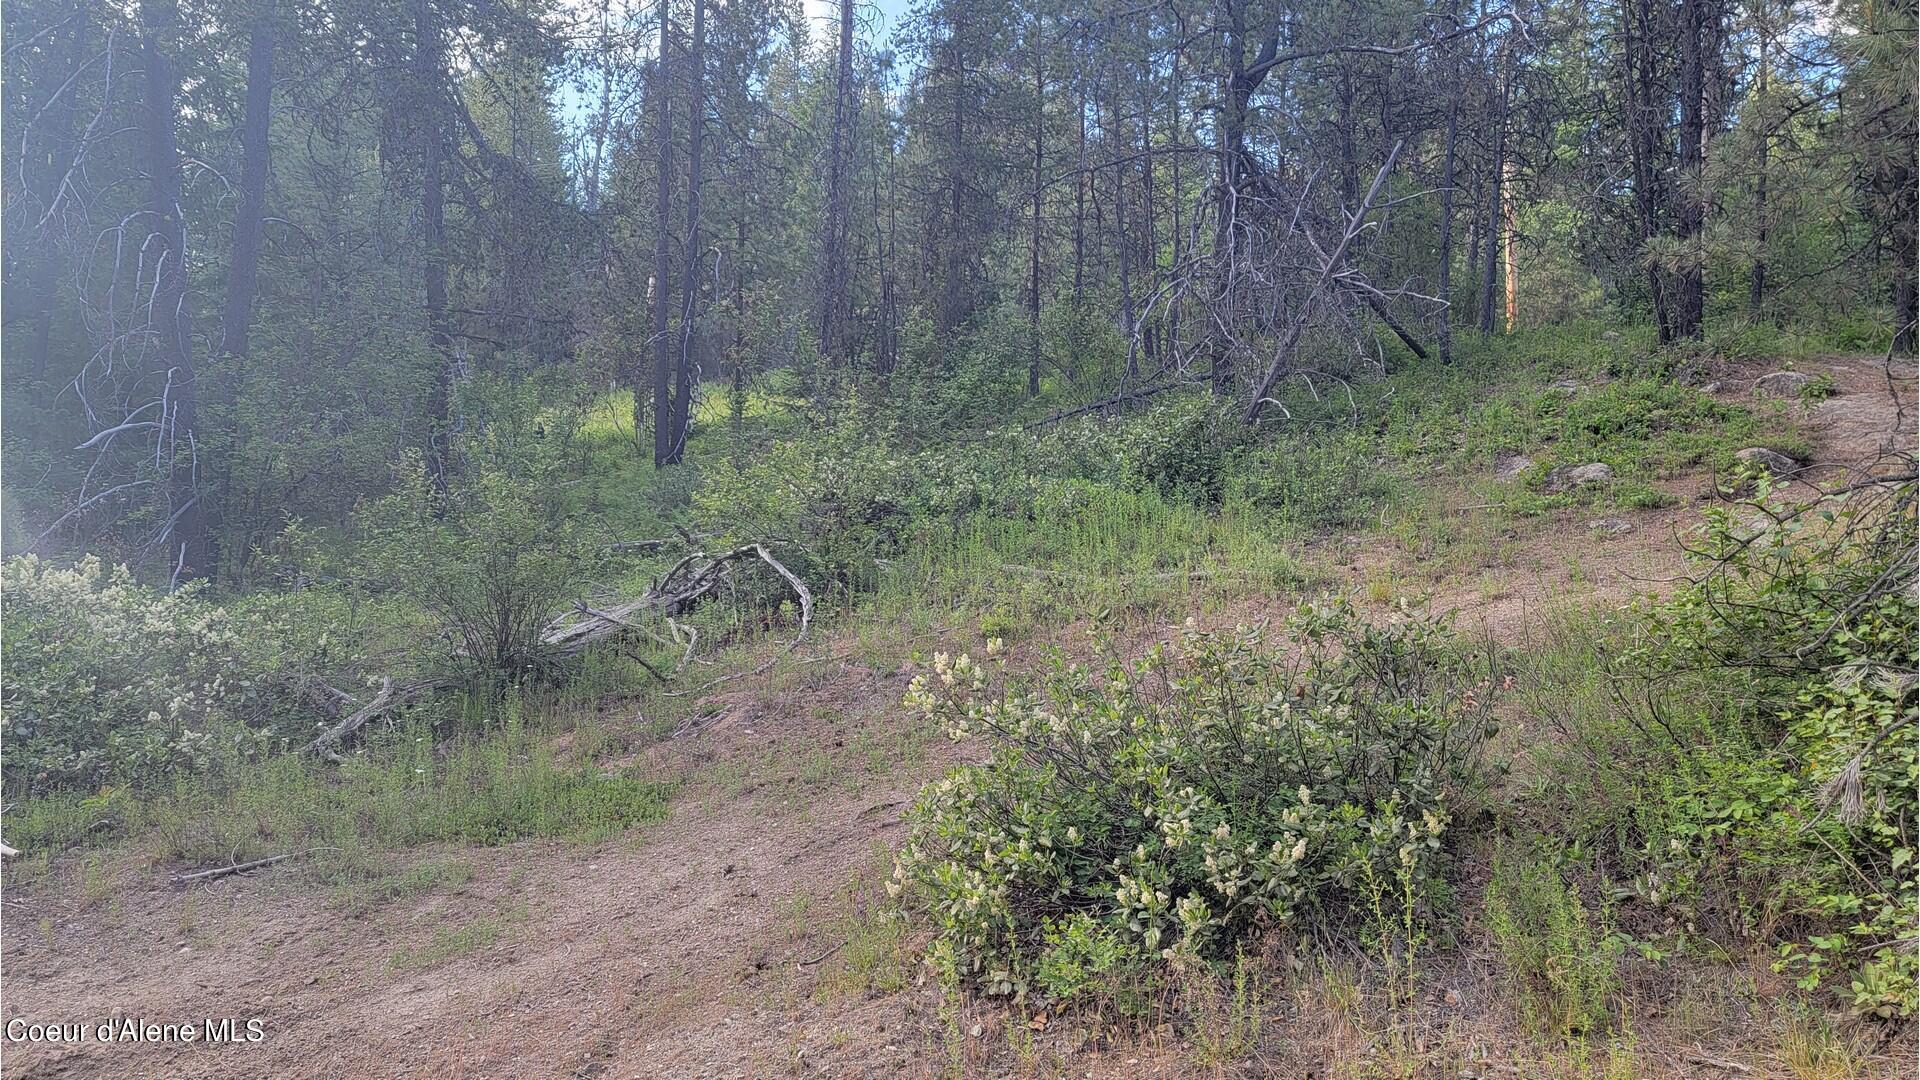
742	936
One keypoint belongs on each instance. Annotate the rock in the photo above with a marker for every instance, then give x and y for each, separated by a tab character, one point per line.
1773	461
1612	527
1569	477
1507	466
1781	383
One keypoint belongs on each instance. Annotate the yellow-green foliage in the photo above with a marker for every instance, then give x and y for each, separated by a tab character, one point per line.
1560	953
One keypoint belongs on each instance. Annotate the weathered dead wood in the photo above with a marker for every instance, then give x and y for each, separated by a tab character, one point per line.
684	584
806	620
688	581
1118	401
356	720
384	701
1385	315
1333	263
236	868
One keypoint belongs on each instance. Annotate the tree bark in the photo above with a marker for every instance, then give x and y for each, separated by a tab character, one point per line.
185	543
835	286
1447	177
1496	180
250	213
1039	182
1509	228
248	228
662	250
690	261
1690	286
429	75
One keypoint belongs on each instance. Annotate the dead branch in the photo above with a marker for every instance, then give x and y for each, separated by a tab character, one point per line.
684	585
236	868
1332	263
1118	401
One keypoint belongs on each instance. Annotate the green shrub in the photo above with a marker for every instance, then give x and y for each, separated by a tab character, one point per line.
108	681
1324	480
843	495
1760	783
493	559
1174	805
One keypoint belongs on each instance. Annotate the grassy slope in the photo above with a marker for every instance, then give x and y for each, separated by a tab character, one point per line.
572	764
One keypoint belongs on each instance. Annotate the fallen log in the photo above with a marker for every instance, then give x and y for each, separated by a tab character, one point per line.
684	584
385	701
1118	401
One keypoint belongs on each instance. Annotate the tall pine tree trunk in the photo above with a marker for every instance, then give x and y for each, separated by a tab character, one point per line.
429	73
243	273
1033	237
1690	286
185	536
690	261
1447	178
835	284
662	250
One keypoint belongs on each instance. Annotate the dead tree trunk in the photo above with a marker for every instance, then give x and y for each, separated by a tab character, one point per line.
1335	261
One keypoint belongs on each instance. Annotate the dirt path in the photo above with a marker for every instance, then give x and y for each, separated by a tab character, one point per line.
690	948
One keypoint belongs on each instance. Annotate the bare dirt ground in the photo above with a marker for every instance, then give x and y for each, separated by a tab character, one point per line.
702	946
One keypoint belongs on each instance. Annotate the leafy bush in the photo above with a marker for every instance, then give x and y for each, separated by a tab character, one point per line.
842	495
1786	812
109	681
1325	480
493	558
1174	805
1182	446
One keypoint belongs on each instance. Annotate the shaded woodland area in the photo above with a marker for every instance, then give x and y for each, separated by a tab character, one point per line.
256	251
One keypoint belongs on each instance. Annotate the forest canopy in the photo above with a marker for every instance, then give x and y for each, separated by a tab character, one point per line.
261	254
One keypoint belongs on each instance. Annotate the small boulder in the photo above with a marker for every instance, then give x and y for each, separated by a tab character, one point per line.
1773	461
1569	477
1781	383
1506	466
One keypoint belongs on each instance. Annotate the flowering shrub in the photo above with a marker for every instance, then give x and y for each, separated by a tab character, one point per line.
107	680
1170	806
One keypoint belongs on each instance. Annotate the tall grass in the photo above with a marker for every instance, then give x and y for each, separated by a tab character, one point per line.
497	783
